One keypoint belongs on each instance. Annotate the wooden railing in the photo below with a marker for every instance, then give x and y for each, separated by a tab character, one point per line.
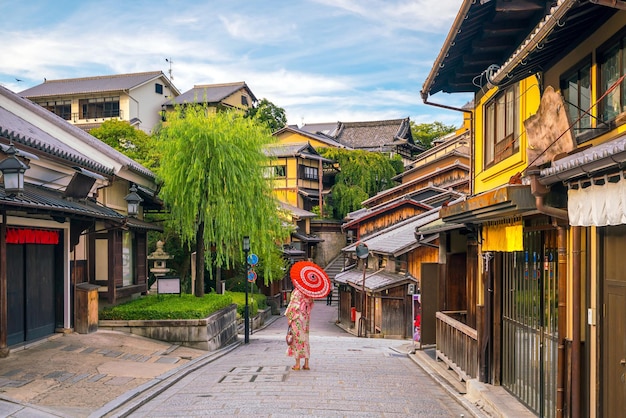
457	344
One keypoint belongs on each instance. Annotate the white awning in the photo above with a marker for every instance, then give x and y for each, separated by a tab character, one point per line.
600	204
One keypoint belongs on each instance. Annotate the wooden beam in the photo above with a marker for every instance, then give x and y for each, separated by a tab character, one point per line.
508	6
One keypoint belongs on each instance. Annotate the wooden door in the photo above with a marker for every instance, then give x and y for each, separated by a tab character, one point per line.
613	390
30	291
615	350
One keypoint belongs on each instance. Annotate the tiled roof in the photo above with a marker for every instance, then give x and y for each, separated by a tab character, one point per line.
75	131
98	84
329	129
399	238
210	93
374	134
21	132
37	198
307	134
302	149
296	211
374	280
589	162
363	214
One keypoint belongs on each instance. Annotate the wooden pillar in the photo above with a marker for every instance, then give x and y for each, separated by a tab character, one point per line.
4	309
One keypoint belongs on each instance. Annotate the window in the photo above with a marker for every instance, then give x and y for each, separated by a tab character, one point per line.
280	171
401	263
102	107
308	173
62	108
612	63
501	130
576	90
158	88
244	100
275	171
128	259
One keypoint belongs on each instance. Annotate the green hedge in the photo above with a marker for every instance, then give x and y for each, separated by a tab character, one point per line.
168	307
256	301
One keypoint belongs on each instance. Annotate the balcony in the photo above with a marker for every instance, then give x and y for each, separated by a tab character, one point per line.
97	116
457	344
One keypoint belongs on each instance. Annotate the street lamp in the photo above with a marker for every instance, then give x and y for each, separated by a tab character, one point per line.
246	250
13	172
133	199
362	251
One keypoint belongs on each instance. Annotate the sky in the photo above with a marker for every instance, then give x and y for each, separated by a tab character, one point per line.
320	60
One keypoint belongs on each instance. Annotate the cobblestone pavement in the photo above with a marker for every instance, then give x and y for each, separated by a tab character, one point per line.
349	377
71	375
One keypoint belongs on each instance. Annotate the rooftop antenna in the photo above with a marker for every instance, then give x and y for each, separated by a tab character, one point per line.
170	71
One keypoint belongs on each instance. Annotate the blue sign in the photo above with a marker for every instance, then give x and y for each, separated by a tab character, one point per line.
251	275
253	259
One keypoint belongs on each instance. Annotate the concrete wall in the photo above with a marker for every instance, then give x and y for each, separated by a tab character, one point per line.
212	333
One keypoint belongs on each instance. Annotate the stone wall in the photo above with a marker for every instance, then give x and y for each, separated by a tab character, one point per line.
328	250
212	333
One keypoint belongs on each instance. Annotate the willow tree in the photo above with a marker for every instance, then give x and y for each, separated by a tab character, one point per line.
361	175
213	183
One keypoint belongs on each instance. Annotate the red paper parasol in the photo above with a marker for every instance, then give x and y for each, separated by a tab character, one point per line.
310	279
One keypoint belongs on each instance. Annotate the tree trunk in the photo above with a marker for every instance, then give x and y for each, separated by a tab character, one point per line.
199	288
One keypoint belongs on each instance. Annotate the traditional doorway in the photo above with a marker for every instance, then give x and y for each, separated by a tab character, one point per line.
613	321
31	292
530	321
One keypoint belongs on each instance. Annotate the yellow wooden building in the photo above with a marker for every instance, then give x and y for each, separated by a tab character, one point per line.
545	219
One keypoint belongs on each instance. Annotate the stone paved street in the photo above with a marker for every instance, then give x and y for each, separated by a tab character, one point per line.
349	377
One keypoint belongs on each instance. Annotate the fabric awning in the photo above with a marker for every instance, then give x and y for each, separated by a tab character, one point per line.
504	236
598	204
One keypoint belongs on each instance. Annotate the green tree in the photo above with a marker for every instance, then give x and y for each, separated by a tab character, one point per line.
128	140
362	174
268	114
425	133
213	184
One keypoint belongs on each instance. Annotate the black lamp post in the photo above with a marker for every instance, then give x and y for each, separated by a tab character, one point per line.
133	200
13	172
246	250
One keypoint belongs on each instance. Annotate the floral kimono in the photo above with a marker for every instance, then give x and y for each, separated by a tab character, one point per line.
298	314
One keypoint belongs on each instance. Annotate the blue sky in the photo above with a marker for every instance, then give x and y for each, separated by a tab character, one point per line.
320	60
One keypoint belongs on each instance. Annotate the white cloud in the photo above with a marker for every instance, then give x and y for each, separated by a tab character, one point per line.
321	60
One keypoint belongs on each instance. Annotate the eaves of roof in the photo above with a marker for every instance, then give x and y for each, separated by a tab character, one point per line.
455	165
484	40
37	199
375	280
589	162
296	211
318	137
397	239
371	213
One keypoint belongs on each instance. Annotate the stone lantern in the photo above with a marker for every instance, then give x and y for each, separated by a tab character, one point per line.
159	259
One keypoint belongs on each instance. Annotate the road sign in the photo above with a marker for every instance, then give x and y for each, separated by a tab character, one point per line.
253	259
252	276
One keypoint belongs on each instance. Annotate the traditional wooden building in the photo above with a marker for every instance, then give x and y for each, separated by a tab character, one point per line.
392	137
545	304
65	223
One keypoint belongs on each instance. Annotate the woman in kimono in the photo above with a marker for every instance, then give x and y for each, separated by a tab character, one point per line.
298	314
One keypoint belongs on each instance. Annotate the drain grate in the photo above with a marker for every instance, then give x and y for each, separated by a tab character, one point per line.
251	374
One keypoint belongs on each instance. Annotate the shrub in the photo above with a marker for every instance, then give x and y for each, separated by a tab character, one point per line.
167	307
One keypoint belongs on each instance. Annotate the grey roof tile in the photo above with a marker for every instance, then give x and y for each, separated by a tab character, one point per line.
210	93
98	84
